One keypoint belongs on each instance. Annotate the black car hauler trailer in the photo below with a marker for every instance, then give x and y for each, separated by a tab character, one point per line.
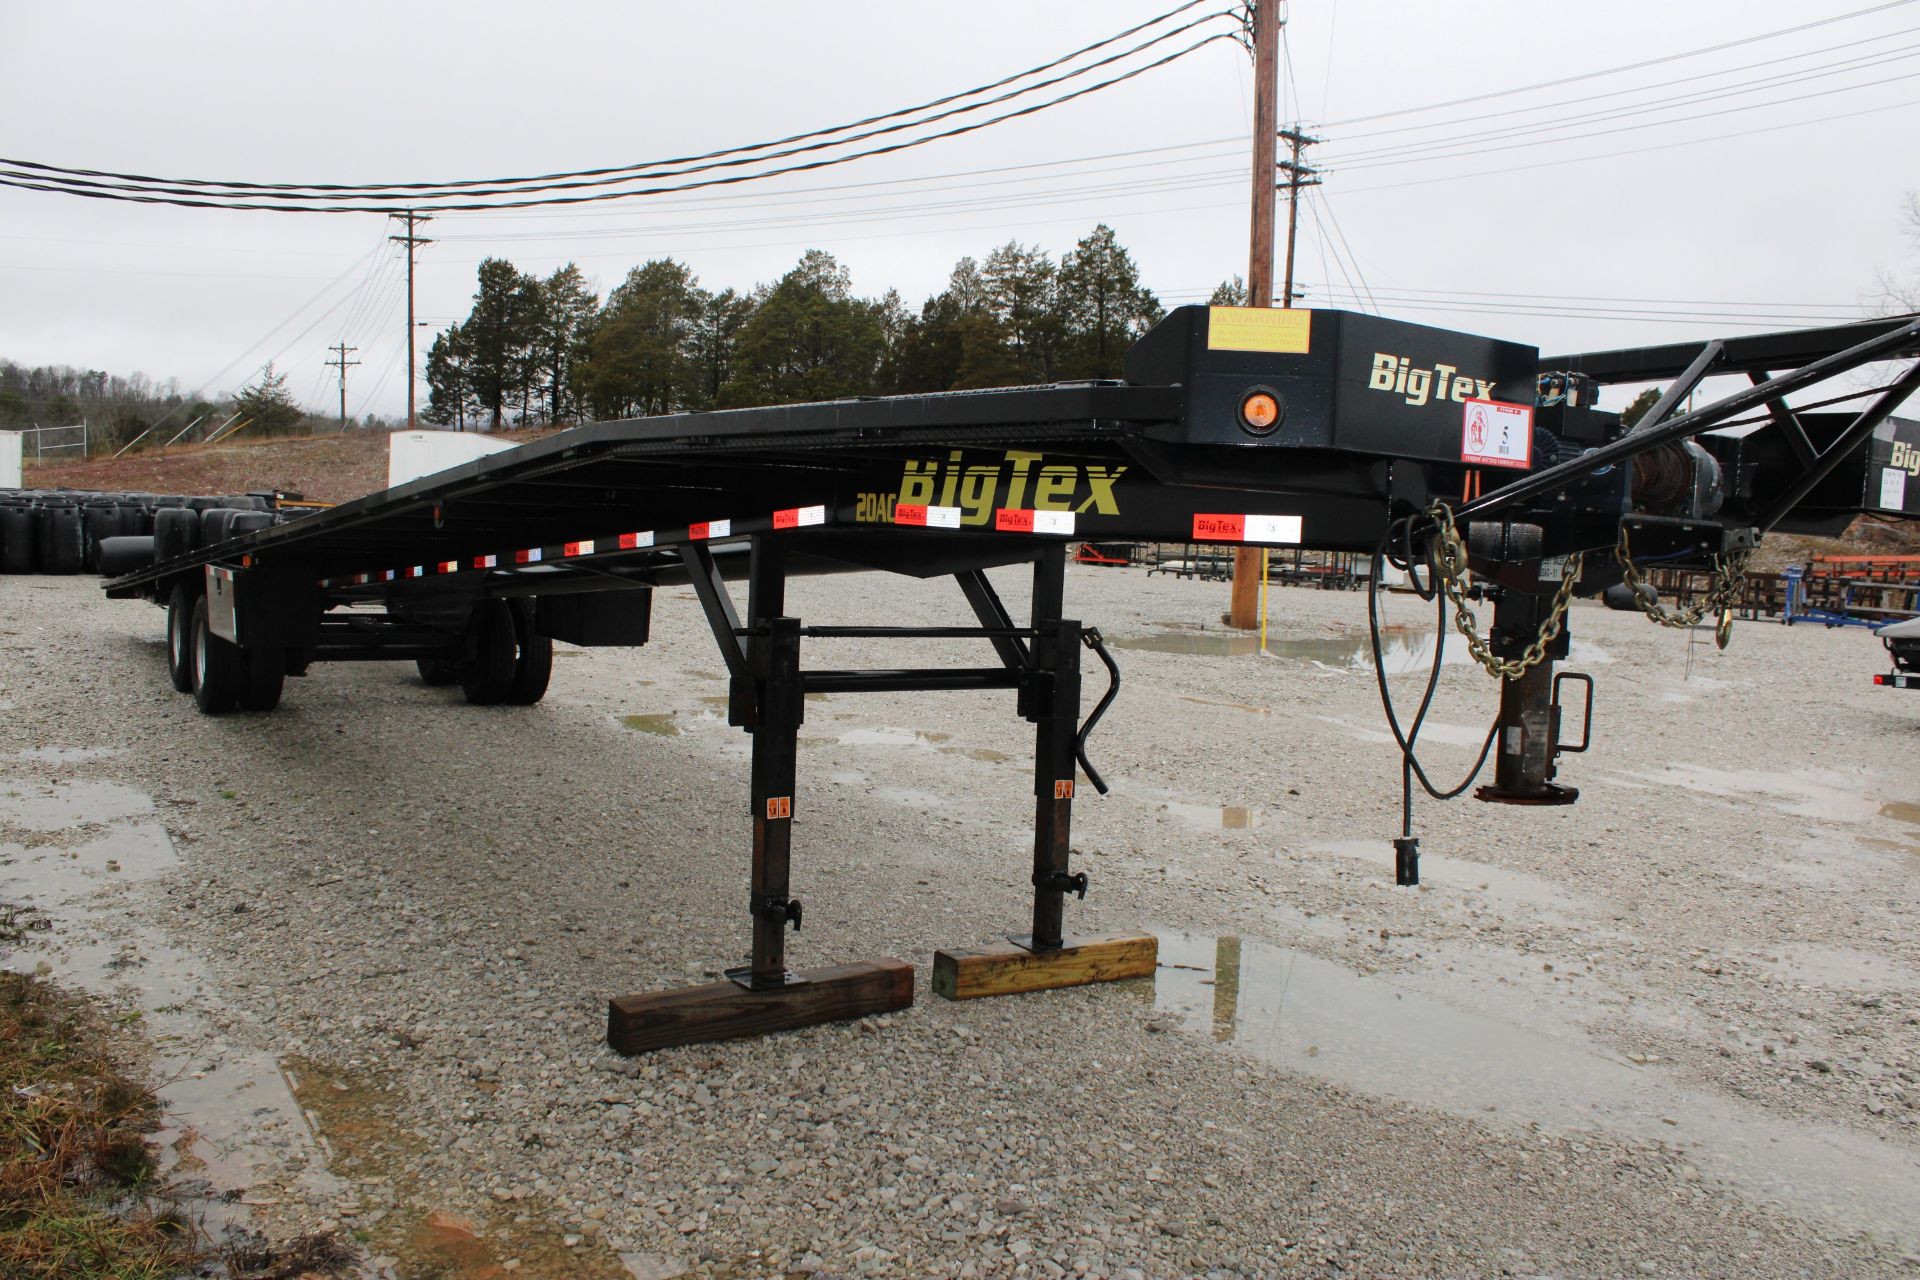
1319	429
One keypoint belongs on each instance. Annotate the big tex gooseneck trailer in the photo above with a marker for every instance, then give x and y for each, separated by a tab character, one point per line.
1486	472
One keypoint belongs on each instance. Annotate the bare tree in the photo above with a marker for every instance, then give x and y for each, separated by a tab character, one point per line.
1894	293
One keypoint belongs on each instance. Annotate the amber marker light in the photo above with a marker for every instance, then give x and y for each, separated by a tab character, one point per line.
1260	412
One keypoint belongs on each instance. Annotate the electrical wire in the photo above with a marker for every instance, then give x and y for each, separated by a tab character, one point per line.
181	201
411	199
1502	140
1457	121
1411	770
1630	66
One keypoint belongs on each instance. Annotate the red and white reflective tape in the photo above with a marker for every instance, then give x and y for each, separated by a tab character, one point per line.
486	562
1021	520
448	566
530	556
628	541
798	517
1246	528
923	517
578	548
359	579
386	575
417	571
709	529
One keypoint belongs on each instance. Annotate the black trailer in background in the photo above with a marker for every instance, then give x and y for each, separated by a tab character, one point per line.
1320	430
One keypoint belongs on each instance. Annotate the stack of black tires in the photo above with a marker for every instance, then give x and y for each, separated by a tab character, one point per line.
78	531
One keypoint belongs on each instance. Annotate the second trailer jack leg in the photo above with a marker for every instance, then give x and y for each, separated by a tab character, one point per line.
1047	957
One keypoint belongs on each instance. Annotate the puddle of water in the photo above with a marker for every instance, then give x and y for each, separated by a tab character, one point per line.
1836	797
1216	817
1319	1019
985	754
1247	707
57	805
1401	654
1205	644
659	724
1439	873
1453	735
229	1112
1840	967
60	755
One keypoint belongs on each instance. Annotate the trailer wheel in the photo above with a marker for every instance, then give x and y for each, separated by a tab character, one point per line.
533	657
180	639
264	675
436	671
487	675
217	666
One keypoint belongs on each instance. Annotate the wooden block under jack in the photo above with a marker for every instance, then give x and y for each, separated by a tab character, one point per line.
1007	969
728	1011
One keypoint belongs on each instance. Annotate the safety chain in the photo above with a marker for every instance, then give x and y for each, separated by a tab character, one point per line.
1450	563
1729	580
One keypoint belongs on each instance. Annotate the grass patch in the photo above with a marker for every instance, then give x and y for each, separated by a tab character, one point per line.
77	1193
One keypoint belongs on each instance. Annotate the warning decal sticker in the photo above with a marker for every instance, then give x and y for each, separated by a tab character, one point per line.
1283	330
1494	433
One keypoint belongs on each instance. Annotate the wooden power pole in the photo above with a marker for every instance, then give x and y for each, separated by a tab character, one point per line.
1244	610
412	241
1298	176
341	363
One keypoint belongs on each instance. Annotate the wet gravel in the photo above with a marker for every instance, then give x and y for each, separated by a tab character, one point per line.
1668	1031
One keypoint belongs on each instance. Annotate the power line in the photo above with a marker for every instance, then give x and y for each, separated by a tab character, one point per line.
183	202
1619	93
411	190
1478	144
1630	66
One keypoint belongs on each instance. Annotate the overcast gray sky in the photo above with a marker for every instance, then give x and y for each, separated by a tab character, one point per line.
1757	187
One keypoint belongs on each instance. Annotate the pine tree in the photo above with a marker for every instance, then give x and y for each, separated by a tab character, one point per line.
1103	303
808	338
268	405
567	309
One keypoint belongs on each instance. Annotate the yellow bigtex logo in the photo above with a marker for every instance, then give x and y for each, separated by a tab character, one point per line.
1906	457
1398	375
1018	480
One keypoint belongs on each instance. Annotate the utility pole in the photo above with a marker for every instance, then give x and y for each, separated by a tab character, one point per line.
412	241
1244	608
1298	176
341	363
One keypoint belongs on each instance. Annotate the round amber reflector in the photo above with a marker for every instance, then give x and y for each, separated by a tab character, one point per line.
1260	411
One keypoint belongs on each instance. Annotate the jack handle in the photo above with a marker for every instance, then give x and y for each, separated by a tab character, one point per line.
1586	719
1090	636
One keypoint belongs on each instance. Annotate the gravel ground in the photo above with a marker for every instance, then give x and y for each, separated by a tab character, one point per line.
1668	1031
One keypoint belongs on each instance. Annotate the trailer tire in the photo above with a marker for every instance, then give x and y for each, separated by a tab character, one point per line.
487	675
180	639
533	657
436	671
264	675
218	668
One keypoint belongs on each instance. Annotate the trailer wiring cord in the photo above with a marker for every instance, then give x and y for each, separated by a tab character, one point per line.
1411	770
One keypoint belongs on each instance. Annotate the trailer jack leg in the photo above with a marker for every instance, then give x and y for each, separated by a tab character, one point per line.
1047	957
1528	745
765	996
